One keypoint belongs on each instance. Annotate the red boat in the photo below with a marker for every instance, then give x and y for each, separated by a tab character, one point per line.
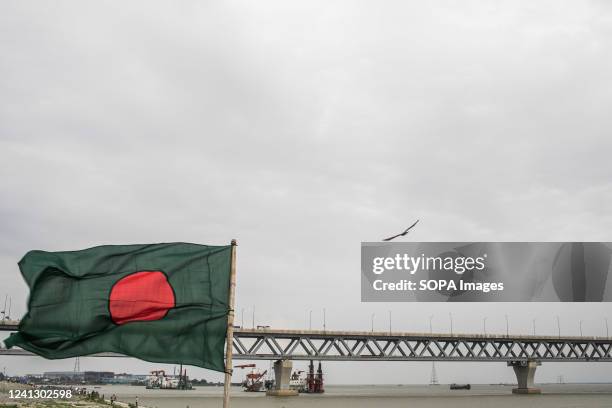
254	381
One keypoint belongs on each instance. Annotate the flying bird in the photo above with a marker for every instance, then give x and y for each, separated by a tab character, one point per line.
403	233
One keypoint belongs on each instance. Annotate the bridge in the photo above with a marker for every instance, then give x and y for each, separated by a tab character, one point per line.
274	344
523	353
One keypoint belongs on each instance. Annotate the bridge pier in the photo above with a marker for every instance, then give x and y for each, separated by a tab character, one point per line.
282	375
525	374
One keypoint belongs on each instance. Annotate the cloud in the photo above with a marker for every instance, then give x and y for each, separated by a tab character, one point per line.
302	130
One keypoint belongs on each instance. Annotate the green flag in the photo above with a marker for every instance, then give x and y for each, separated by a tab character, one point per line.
165	303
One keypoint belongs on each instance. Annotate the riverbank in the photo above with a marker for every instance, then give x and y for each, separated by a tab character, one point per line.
77	400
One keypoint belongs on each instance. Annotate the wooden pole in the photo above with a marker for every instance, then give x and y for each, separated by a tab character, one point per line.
230	330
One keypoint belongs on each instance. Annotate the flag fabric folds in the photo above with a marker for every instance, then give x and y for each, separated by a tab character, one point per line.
165	303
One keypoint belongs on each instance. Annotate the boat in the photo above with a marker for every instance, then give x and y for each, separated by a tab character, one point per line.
310	383
160	381
460	386
255	379
297	381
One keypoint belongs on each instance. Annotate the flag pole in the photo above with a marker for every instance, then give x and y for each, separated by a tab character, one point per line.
230	329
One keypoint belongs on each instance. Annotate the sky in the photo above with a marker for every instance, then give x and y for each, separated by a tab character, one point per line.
302	129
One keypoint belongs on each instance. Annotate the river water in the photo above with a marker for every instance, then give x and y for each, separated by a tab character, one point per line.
377	396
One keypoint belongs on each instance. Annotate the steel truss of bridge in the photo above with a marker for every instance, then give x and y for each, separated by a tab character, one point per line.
378	346
274	344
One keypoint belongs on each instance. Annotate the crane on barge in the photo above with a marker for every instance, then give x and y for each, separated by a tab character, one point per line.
254	381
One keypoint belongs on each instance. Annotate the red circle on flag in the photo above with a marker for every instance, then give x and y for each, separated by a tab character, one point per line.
141	296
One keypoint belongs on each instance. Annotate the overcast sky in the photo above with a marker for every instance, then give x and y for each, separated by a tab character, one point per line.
302	129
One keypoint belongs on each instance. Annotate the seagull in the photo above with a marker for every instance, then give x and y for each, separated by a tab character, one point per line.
403	233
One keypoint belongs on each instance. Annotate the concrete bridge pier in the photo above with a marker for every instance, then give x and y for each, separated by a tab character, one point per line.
282	375
525	374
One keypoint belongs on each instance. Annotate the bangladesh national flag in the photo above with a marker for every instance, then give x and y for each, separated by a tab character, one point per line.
165	303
